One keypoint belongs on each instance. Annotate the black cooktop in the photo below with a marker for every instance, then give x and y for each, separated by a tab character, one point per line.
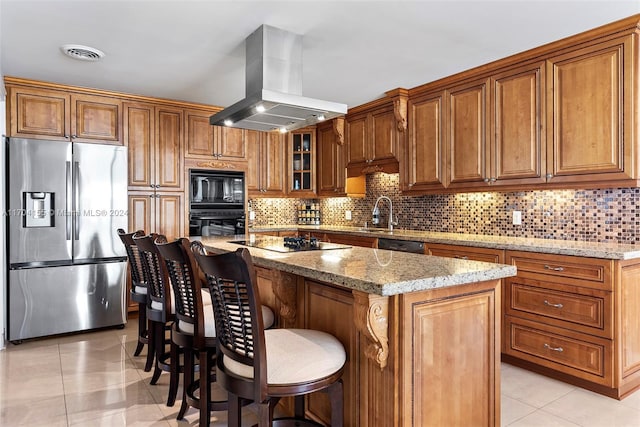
289	244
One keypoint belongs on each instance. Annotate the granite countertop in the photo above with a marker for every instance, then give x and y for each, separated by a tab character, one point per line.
375	271
549	246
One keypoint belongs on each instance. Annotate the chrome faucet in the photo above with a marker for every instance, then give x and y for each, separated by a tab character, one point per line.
376	213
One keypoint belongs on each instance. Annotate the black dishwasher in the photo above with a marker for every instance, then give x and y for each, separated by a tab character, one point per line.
401	245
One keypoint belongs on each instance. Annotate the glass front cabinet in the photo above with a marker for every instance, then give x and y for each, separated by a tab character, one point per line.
302	149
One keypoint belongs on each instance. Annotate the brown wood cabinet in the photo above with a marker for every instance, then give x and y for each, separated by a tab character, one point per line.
266	171
491	135
301	152
518	139
158	212
553	117
467	133
154	137
399	349
466	252
591	103
425	162
322	303
156	197
331	162
348	239
41	113
372	140
571	318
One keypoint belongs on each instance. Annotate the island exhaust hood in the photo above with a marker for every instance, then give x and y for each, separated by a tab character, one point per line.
274	98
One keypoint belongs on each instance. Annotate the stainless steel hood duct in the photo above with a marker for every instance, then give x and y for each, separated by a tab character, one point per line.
274	98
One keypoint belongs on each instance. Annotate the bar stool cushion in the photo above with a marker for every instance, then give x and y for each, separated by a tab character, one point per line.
296	356
142	290
209	324
156	305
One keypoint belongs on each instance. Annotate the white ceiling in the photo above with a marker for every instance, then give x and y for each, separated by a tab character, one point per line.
353	51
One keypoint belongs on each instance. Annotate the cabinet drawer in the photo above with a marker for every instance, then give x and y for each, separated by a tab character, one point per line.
573	270
466	252
587	312
585	357
344	239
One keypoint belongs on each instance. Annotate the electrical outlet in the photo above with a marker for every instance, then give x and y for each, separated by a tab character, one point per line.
517	218
347	215
252	215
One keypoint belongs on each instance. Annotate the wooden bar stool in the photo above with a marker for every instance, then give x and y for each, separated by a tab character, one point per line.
193	330
160	311
138	292
266	365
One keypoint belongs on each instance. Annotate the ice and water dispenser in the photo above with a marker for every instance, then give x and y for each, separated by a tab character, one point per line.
38	209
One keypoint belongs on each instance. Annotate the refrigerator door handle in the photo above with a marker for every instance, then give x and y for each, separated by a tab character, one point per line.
69	207
76	201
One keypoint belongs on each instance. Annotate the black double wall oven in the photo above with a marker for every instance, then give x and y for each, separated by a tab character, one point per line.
216	201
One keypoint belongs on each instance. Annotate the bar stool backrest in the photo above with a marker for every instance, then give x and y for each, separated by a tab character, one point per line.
239	326
154	269
182	272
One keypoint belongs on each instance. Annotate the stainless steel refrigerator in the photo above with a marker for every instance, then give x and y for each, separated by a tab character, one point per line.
67	265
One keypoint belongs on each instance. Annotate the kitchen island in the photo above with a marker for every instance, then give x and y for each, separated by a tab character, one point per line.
422	333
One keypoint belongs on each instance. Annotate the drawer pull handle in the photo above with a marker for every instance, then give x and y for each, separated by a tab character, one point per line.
548	267
558	349
547	303
464	257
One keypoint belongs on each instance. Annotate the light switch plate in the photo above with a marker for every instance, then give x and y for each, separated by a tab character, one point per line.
517	218
347	215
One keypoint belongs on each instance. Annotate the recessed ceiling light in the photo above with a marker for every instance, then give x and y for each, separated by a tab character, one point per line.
82	53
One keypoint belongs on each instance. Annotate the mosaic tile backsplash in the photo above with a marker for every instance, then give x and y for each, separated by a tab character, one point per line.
587	215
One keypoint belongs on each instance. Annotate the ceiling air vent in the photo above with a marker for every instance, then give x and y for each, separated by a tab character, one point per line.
82	53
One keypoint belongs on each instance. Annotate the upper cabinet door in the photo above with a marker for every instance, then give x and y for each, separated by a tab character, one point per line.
384	134
231	143
139	136
39	113
168	151
518	150
467	133
198	134
424	165
328	165
96	119
357	140
591	123
273	163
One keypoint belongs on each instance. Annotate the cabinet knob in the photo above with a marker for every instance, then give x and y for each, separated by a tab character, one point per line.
493	180
486	180
411	184
549	176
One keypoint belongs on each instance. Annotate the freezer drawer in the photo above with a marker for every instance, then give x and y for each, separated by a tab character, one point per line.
55	300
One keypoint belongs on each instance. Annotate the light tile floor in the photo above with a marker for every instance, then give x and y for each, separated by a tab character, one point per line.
93	379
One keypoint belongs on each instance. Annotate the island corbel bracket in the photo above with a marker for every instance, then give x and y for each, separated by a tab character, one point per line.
372	320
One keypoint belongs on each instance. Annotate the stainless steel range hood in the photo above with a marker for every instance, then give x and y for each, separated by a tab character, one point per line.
274	98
